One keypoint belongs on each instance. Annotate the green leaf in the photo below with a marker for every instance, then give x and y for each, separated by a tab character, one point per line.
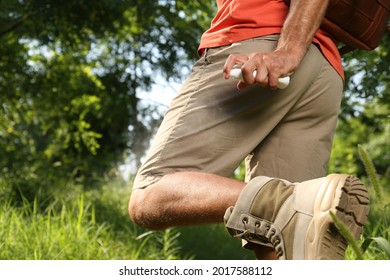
348	235
371	172
380	241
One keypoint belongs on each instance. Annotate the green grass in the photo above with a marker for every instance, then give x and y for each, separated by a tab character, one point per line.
80	228
212	242
94	225
375	243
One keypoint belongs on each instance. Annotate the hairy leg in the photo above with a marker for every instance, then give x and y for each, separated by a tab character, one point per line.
184	198
187	198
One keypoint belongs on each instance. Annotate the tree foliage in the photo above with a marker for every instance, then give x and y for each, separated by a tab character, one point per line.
367	78
69	76
70	72
365	111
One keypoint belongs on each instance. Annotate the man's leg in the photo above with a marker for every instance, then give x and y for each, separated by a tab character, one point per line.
184	198
188	198
211	127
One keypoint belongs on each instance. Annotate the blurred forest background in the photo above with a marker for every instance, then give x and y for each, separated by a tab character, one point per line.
70	77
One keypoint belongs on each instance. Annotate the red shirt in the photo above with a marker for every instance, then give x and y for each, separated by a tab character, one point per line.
238	20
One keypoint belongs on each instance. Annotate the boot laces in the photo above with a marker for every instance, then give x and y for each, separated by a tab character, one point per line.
266	235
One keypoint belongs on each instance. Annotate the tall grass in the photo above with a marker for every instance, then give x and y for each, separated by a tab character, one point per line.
374	244
80	229
94	225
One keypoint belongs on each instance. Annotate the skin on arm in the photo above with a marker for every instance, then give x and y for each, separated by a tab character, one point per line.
302	22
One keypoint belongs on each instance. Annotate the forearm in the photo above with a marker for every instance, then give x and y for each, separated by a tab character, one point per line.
302	22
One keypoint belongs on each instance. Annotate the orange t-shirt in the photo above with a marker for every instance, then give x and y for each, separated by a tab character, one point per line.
238	20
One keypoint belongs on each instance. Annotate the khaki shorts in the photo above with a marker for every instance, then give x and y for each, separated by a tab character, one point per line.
212	127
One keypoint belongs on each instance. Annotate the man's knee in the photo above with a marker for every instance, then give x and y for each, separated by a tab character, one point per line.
144	209
138	208
135	207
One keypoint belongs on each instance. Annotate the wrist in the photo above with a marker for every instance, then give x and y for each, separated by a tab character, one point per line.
301	24
293	53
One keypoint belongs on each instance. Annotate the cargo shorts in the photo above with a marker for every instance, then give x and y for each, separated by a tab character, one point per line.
212	127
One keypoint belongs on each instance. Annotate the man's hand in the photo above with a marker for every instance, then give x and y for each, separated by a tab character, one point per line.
302	22
269	66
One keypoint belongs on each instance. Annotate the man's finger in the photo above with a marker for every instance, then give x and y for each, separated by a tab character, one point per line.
232	61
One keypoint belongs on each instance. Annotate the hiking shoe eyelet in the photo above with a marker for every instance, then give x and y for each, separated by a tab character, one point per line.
268	208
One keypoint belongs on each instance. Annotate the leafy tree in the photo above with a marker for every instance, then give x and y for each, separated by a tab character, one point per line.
372	130
70	72
365	111
367	78
69	75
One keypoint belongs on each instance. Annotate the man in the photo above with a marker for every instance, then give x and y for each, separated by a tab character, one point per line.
216	122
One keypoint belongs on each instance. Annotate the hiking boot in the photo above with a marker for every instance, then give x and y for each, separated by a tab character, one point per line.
294	218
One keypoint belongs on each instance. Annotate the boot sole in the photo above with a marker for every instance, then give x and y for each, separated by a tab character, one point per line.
347	198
